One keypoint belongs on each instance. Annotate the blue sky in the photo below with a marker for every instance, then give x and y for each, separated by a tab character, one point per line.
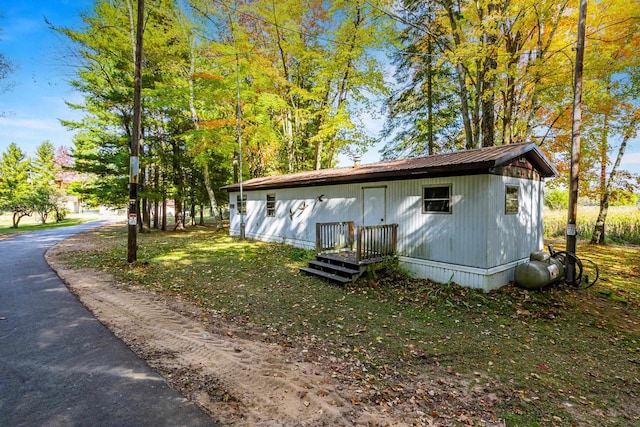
32	108
34	105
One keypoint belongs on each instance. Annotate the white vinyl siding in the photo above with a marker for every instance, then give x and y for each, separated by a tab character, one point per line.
475	236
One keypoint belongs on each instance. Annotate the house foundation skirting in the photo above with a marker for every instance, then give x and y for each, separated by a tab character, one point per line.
486	279
298	243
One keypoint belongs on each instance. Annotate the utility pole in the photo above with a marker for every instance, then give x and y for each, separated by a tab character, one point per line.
576	124
134	161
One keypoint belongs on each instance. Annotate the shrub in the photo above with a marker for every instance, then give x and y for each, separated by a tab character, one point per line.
556	199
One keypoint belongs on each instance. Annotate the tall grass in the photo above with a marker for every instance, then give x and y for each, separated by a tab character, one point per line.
622	224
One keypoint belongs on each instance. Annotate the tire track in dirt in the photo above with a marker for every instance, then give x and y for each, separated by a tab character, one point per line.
257	384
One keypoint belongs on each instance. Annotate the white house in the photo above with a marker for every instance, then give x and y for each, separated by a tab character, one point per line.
468	216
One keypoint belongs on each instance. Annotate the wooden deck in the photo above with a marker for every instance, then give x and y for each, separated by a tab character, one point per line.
343	251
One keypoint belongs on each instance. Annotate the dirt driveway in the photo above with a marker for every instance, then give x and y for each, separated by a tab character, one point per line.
234	374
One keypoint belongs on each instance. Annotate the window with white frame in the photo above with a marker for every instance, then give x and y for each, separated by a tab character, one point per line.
242	204
436	199
271	205
511	203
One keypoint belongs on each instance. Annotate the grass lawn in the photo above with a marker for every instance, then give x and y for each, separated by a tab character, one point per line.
31	223
552	357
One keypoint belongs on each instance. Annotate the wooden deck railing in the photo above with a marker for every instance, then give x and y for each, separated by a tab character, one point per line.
376	241
333	236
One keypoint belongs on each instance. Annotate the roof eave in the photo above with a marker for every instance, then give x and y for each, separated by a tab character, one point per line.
463	169
530	150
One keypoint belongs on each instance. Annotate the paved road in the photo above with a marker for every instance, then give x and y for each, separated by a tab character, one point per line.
58	365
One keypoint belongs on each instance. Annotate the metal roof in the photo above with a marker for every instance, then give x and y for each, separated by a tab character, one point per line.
469	162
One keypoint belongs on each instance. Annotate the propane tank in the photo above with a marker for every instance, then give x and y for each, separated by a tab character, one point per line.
540	271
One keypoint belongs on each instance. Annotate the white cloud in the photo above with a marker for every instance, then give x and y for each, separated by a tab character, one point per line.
29	133
631	159
28	124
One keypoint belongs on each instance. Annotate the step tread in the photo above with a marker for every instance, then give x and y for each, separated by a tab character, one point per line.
335	267
330	276
333	261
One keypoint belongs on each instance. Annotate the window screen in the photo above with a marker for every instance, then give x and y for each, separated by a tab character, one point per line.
511	199
436	199
242	204
271	205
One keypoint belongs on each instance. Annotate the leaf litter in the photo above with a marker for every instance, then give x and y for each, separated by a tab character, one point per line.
410	352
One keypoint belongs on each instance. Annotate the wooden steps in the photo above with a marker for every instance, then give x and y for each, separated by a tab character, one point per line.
334	268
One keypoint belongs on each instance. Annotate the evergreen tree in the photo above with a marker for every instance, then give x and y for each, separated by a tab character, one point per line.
46	194
15	183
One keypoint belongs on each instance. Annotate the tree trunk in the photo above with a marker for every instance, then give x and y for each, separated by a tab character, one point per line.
156	214
179	220
488	79
461	77
488	114
212	197
318	157
156	203
196	126
475	114
598	235
288	137
430	143
164	214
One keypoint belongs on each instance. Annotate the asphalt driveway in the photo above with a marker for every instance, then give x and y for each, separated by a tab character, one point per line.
58	365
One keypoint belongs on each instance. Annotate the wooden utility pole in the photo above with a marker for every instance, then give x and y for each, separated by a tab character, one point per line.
134	163
576	125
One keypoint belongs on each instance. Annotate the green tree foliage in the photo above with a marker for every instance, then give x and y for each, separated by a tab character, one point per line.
43	167
30	185
306	73
493	56
556	199
15	183
424	110
303	75
506	68
46	193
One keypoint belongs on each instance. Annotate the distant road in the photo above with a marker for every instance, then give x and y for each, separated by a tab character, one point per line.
58	365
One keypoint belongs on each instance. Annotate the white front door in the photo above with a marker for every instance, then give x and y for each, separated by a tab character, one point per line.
374	209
